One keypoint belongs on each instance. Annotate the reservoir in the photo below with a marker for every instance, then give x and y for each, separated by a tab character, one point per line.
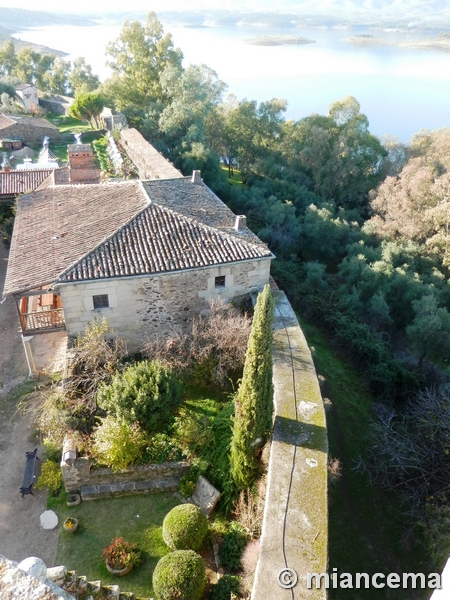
401	90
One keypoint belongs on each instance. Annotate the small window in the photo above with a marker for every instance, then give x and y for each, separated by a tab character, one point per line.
219	281
100	301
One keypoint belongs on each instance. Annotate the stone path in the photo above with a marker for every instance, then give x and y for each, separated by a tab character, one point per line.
20	532
295	526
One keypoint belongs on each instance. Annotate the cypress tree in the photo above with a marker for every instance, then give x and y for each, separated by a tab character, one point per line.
254	400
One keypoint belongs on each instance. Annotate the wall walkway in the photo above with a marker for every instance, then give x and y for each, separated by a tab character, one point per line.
295	526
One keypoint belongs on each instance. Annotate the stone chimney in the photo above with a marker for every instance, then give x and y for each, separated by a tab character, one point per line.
196	177
241	223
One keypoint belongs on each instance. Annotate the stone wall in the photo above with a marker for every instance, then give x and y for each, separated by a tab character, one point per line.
30	134
78	477
149	163
295	524
144	306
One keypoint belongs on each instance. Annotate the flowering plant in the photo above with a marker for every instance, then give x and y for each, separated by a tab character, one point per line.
120	554
70	523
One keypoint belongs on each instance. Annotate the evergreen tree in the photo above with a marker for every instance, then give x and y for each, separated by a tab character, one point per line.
254	401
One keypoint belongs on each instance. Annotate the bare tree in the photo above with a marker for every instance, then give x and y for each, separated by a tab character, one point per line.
220	337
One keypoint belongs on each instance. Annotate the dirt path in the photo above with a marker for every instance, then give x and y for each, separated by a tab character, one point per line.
20	532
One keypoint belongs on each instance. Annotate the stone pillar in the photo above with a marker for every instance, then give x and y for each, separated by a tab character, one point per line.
33	373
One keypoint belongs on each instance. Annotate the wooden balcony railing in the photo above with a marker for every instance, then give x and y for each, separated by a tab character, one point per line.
45	319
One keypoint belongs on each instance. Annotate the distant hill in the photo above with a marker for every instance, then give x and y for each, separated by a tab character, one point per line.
19	44
16	19
423	14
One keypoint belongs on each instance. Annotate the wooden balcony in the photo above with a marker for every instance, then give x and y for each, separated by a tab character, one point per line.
41	313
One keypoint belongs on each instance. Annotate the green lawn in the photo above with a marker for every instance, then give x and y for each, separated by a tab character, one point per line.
137	518
367	532
236	178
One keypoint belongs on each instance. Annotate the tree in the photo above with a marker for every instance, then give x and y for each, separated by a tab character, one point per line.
415	203
430	330
32	67
55	80
252	134
88	107
140	55
342	158
254	400
191	97
81	78
8	58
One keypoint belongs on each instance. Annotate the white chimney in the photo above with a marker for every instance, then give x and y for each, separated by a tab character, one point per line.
241	222
196	177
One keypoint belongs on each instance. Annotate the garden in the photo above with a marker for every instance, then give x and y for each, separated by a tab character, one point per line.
191	397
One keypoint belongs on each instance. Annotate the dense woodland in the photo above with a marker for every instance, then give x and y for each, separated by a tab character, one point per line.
360	228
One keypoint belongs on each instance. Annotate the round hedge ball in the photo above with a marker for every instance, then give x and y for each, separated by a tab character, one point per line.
185	527
179	574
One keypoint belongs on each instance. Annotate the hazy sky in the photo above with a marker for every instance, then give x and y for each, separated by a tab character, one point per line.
380	8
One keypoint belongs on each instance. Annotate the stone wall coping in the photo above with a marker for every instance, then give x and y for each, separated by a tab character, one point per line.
295	524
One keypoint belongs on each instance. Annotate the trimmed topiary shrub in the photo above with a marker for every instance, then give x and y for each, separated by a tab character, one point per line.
179	574
185	527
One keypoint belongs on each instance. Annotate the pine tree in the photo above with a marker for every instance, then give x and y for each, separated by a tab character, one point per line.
254	400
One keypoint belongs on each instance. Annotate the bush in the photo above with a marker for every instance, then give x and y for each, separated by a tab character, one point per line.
50	477
146	392
162	448
179	574
118	444
232	548
187	484
185	527
227	585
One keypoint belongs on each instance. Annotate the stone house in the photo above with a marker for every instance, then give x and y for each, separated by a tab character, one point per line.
27	96
147	255
31	130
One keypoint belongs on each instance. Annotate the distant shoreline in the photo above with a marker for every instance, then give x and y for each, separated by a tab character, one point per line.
440	42
279	40
21	44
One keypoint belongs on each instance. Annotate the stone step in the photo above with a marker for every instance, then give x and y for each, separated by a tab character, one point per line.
110	592
125	488
82	585
94	587
127	596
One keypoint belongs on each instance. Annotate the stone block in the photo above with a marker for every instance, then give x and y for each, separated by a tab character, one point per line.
205	495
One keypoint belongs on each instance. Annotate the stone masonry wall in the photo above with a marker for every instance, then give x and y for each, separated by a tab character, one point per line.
144	306
28	133
79	474
148	161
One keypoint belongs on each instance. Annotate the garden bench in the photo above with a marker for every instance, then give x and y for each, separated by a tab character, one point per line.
29	476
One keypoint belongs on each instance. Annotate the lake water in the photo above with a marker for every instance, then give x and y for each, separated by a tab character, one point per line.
401	90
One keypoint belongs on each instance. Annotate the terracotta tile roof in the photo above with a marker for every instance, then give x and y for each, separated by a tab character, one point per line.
159	240
6	121
84	232
196	201
57	226
23	181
